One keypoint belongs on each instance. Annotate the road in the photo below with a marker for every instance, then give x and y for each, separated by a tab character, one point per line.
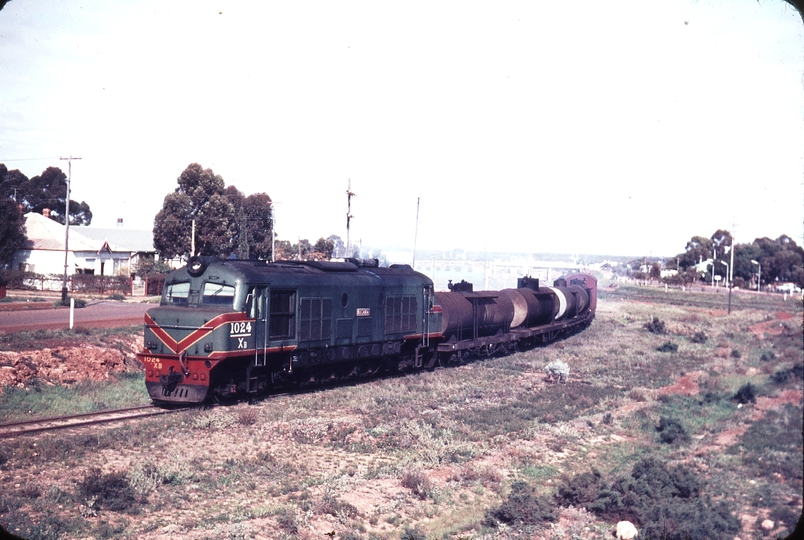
103	314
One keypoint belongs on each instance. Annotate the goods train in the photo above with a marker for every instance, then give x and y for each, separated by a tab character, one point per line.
232	327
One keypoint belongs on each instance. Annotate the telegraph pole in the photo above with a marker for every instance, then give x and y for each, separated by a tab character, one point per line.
67	224
416	234
349	216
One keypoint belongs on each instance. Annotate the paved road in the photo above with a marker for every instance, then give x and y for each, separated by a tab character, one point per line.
104	314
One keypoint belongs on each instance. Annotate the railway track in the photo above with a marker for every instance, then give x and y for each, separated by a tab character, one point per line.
14	429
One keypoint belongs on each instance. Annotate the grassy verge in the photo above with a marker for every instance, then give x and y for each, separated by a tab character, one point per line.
125	389
487	450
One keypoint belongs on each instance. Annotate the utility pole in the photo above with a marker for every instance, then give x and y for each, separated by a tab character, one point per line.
67	225
416	234
349	216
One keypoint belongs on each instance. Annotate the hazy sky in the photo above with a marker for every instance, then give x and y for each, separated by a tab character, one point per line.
616	127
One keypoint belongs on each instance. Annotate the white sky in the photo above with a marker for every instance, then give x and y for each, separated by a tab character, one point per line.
615	127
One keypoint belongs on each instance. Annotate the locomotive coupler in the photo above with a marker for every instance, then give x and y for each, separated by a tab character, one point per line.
171	380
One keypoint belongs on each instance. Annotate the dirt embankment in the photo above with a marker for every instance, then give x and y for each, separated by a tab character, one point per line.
67	363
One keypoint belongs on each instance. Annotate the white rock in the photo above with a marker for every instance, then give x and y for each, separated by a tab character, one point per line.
768	525
626	531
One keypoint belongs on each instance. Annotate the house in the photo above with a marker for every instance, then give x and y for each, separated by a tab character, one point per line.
107	252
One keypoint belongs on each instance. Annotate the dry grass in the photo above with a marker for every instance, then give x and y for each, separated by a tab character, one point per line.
454	453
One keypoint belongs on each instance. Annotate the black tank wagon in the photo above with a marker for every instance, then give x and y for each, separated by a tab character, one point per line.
232	327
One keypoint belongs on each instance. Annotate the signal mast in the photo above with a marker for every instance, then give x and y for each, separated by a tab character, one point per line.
349	216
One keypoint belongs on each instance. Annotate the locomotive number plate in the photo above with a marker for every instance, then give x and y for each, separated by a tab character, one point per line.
240	329
154	362
363	312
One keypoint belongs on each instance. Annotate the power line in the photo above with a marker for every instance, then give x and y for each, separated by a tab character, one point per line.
3	160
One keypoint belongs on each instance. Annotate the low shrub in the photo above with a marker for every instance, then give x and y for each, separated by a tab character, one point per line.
656	326
111	491
523	505
781	376
671	431
699	337
579	490
667	346
335	507
746	394
412	533
78	302
419	483
248	417
767	356
663	502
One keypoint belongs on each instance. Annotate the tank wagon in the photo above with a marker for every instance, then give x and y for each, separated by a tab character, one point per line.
234	327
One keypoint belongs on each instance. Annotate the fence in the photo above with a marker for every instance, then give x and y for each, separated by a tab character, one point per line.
83	283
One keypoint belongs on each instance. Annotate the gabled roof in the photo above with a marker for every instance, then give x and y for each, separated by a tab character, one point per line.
120	239
45	234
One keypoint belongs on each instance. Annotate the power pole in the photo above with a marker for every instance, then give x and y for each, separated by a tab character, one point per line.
416	233
67	225
349	216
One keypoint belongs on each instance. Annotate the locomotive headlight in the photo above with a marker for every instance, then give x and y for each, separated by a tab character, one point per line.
207	347
151	345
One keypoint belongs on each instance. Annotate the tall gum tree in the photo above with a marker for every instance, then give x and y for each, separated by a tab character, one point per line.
226	221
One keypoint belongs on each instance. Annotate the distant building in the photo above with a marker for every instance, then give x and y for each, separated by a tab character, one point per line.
107	252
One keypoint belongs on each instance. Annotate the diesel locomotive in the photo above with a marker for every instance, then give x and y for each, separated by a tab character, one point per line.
234	327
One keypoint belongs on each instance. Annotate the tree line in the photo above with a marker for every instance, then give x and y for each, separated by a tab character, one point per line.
20	195
781	260
229	223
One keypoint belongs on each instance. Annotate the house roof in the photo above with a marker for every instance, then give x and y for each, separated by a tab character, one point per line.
120	239
45	234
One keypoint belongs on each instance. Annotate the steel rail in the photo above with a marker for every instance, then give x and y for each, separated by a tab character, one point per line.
13	429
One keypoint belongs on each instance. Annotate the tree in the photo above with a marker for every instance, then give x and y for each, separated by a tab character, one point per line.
698	248
226	221
254	219
323	248
12	229
48	190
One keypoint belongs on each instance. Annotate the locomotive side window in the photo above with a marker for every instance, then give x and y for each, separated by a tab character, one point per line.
177	293
400	314
315	319
283	315
217	293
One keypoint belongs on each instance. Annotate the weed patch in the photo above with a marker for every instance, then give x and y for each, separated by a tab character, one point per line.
774	445
667	346
663	502
671	431
656	326
111	491
524	505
